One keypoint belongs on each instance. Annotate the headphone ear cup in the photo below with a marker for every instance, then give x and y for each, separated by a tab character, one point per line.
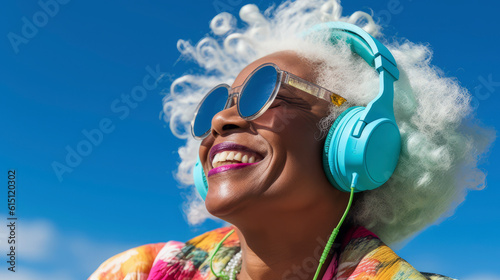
373	154
331	145
200	180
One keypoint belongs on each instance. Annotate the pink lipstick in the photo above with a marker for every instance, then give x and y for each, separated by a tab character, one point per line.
245	157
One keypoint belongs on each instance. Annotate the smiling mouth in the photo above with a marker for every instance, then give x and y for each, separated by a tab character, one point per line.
233	157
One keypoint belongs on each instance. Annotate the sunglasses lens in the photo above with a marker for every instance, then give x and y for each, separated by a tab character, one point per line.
213	103
258	90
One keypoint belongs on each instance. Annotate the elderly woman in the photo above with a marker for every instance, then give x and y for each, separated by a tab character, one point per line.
311	115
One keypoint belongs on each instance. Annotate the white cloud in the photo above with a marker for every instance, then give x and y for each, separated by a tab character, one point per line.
42	250
35	239
483	276
23	274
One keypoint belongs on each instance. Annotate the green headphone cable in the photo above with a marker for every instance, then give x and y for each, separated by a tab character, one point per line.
336	230
222	275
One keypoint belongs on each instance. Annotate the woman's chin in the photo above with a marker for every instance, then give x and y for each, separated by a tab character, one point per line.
223	206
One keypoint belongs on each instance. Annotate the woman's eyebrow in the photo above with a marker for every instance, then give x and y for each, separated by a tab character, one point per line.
288	94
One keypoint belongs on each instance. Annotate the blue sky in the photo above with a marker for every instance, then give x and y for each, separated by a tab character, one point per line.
68	77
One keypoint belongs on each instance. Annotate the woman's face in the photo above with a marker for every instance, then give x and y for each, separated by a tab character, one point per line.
287	171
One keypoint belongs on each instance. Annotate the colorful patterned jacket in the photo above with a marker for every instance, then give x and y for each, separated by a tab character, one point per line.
360	256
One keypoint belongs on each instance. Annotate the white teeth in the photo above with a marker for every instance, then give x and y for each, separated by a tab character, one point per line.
232	157
237	157
216	159
223	156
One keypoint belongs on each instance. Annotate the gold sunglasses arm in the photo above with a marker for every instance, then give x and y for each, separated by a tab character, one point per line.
312	88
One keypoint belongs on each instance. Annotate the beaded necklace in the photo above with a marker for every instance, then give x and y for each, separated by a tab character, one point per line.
234	266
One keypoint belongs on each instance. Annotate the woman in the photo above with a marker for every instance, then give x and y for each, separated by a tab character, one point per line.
265	167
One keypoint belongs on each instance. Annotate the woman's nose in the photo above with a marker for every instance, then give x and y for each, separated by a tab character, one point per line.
228	121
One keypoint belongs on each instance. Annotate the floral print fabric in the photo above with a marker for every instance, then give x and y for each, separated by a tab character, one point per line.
361	256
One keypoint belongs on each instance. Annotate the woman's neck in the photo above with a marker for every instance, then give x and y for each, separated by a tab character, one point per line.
287	246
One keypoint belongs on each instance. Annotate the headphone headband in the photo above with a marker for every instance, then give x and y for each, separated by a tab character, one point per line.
371	50
376	55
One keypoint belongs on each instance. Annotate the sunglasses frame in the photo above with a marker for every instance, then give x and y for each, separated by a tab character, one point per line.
284	77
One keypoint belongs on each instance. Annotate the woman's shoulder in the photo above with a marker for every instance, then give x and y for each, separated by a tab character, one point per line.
132	264
365	256
187	260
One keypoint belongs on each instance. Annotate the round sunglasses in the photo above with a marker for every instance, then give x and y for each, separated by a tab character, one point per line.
253	97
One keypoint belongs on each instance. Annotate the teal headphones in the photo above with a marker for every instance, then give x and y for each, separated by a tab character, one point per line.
363	140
